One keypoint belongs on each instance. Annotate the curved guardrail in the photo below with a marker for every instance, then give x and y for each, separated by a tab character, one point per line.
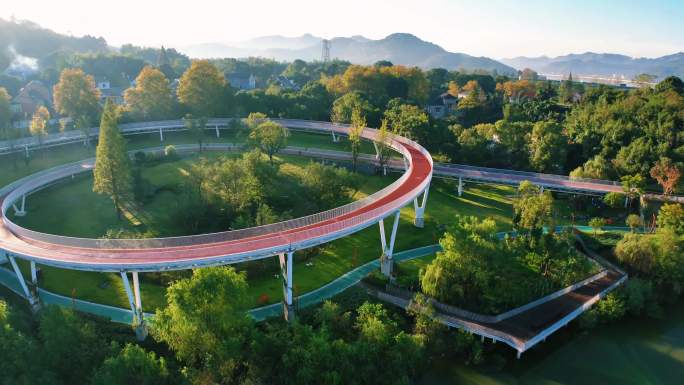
216	248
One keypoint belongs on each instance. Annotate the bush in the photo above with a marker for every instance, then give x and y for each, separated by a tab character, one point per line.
614	200
376	279
170	152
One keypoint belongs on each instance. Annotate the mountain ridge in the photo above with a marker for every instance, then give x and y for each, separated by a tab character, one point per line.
399	48
604	64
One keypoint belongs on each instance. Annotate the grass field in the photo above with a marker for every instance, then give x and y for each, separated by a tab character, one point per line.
72	209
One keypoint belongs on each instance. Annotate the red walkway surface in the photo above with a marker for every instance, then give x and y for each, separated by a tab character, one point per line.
202	253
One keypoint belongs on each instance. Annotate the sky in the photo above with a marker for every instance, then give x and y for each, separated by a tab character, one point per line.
493	28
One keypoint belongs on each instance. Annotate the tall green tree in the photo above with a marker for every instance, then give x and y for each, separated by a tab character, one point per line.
355	133
533	209
270	137
548	147
197	127
408	120
205	323
133	365
383	143
5	112
71	346
151	98
202	89
76	96
39	123
112	173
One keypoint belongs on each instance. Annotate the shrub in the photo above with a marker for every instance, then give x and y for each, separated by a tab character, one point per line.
170	151
614	200
634	221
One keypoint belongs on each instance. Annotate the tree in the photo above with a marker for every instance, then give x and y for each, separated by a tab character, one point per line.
644	80
76	96
459	273
533	209
637	251
408	120
355	133
667	174
202	88
5	112
597	224
343	107
671	216
548	147
112	174
270	137
20	364
133	365
197	128
151	98
205	323
39	124
382	141
633	221
614	199
633	186
594	168
254	119
71	346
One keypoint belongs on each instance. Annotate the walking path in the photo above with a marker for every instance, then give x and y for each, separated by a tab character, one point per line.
125	316
535	321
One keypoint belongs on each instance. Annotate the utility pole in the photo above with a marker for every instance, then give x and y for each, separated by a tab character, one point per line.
325	55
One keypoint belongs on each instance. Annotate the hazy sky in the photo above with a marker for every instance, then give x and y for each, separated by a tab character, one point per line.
494	28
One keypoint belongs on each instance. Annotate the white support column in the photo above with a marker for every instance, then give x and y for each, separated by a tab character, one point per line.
460	186
135	303
129	292
541	189
377	150
286	274
136	295
33	301
419	220
519	353
34	274
386	261
161	135
20	212
218	135
27	151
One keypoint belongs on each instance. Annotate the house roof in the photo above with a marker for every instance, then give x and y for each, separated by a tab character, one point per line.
442	98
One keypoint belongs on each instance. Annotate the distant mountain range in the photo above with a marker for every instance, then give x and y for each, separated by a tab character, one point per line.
602	64
24	44
399	48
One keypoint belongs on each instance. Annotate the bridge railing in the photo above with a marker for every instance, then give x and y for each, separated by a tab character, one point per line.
528	174
299	224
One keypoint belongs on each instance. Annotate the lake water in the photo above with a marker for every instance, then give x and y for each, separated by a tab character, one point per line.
635	351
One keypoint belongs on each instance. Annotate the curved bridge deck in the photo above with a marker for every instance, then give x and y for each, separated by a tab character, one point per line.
219	248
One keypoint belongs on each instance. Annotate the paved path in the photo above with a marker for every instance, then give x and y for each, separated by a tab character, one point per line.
162	254
531	326
120	315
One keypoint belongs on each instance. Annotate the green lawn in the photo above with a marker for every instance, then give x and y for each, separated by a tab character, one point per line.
72	209
50	157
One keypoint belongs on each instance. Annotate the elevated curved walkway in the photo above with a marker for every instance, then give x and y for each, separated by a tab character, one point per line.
217	248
